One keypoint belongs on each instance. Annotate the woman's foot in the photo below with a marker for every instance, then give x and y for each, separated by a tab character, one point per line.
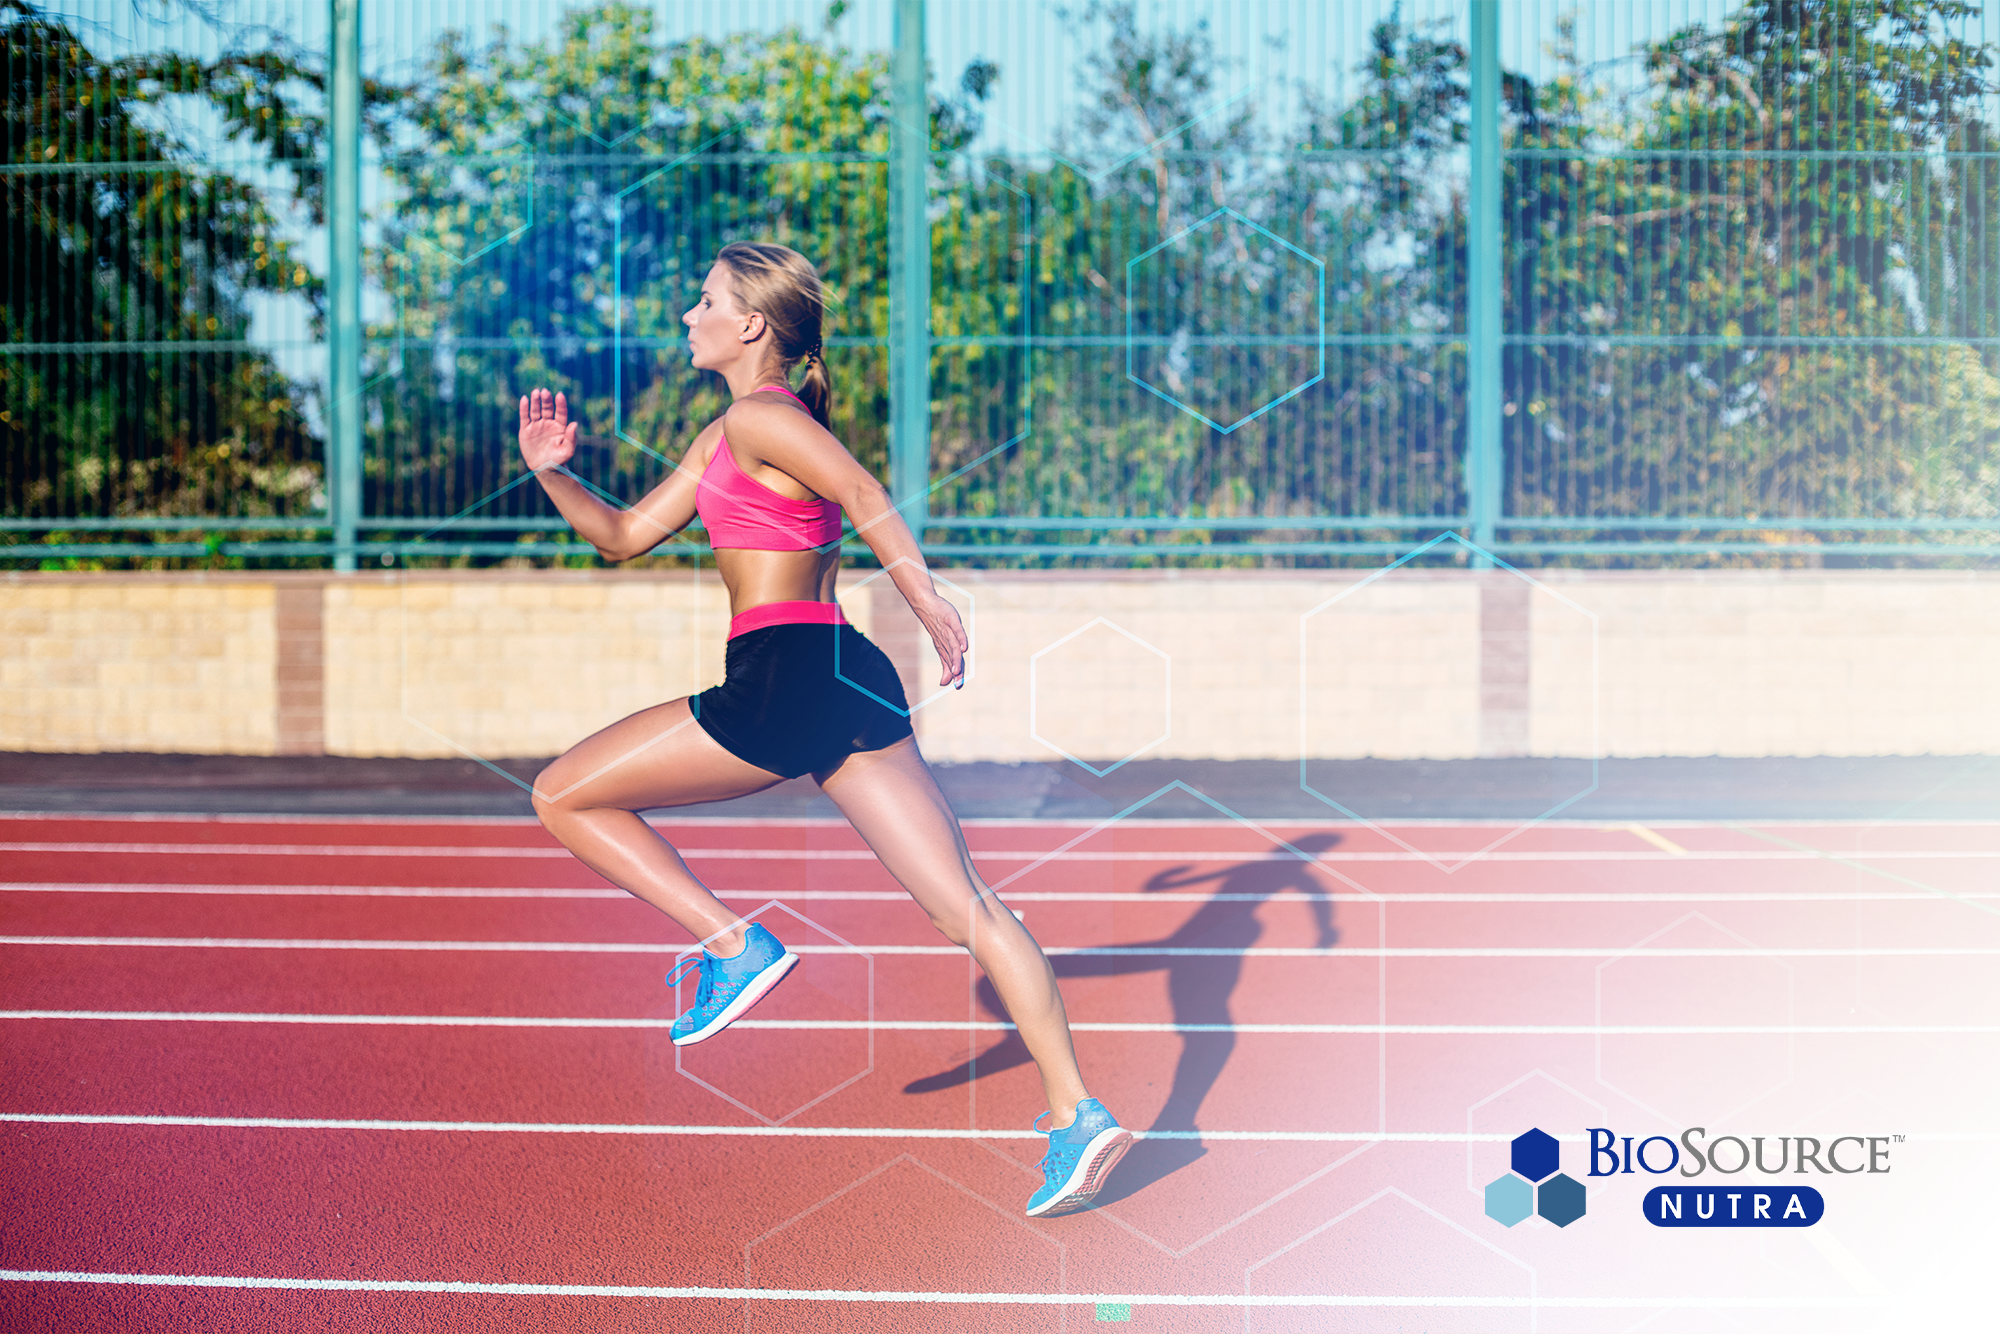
1080	1156
729	987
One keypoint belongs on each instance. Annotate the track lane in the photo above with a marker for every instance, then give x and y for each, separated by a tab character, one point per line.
517	1205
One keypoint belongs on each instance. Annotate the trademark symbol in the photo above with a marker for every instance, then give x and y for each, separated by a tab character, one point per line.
1897	1138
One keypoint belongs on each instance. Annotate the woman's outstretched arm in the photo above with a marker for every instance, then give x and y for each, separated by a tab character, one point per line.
548	442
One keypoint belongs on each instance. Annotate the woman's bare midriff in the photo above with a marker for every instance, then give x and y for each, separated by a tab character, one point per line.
754	578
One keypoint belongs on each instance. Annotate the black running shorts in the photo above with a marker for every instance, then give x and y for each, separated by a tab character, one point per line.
783	705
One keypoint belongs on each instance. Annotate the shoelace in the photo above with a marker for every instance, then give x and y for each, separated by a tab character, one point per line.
701	986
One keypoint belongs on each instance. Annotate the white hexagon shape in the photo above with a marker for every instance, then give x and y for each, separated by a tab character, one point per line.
1105	697
446	659
1402	1248
458	235
1234	1181
867	1227
928	668
811	1037
1356	667
1677	994
1225	320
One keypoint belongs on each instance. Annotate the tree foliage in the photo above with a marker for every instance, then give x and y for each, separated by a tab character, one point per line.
115	235
1693	270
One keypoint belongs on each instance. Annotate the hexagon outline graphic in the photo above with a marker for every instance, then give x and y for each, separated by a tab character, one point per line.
619	432
1178	786
1596	745
403	708
971	640
1471	1175
847	947
1096	176
1034	661
1330	869
1062	1249
528	158
1791	1015
1534	1275
1319	268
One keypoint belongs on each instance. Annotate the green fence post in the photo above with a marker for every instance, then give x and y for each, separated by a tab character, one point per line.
910	273
343	280
1482	224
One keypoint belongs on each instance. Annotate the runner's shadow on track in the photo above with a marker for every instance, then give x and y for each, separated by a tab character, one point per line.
1200	987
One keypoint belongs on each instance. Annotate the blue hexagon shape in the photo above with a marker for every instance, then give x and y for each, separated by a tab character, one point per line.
1225	320
1536	1154
1463	687
1560	1199
1509	1200
971	640
780	1066
494	202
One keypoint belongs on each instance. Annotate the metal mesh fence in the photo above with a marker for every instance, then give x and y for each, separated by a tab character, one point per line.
1191	281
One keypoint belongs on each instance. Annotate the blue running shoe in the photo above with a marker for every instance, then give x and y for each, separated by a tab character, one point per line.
729	987
1080	1156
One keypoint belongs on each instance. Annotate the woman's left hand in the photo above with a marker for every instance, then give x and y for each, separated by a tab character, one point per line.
947	632
548	436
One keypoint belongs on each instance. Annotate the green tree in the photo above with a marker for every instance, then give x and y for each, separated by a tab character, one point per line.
116	234
635	161
1695	225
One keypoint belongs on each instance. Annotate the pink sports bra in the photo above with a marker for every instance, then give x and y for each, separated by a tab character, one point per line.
741	512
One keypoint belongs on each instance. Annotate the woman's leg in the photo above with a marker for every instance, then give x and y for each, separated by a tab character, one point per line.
892	800
657	757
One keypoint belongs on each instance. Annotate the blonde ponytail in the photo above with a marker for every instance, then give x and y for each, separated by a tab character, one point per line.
783	286
817	389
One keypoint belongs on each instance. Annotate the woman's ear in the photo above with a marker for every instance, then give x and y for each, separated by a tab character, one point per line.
753	327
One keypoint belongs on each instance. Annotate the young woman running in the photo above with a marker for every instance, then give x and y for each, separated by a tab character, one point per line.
770	493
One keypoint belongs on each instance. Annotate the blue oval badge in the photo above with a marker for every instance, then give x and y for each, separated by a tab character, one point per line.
1734	1206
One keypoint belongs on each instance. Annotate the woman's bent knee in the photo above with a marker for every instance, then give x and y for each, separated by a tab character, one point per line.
979	923
953	929
550	795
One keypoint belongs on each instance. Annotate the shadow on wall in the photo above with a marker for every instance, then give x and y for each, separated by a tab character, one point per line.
1199	986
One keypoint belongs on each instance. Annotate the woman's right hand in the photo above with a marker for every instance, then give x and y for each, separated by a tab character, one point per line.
948	637
548	436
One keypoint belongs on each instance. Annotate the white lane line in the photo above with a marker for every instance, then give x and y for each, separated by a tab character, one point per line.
823	1132
296	849
900	896
858	1296
991	1026
753	1132
1205	856
1111	951
662	820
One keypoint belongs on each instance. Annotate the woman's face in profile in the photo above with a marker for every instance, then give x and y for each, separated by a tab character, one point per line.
715	326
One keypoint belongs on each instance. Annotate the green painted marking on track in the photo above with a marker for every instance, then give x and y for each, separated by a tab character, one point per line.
1114	1310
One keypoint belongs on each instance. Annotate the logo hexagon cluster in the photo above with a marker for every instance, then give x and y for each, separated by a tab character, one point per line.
1535	1186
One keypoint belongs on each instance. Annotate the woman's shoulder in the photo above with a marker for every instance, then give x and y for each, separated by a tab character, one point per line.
702	451
756	419
764	407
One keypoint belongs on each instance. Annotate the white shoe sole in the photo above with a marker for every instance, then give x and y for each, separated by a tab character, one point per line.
753	992
1099	1157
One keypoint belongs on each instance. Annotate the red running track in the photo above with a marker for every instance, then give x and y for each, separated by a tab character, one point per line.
294	1075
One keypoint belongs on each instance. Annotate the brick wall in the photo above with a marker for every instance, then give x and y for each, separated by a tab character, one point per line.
1098	665
130	663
